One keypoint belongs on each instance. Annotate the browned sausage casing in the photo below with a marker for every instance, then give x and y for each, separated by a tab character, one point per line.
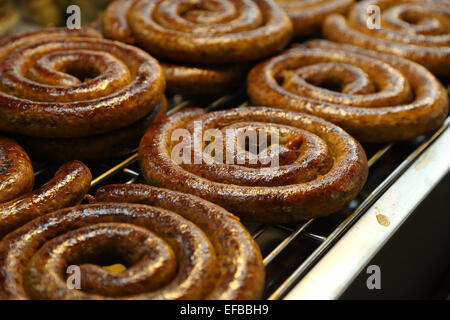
418	30
67	188
197	39
375	97
176	246
109	145
307	16
326	168
16	171
60	83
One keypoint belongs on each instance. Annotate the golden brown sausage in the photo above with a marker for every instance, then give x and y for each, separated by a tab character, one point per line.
109	145
307	16
211	32
73	83
201	80
197	39
418	30
16	171
176	246
67	188
375	97
320	168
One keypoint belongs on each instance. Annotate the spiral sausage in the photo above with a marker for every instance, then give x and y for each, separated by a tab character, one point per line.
68	187
375	97
16	171
208	32
42	92
320	167
201	35
109	145
415	29
176	246
307	15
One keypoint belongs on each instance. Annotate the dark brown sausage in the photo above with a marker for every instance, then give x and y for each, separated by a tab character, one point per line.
202	80
60	83
196	63
67	188
406	30
109	145
243	31
375	97
176	246
16	171
307	16
325	168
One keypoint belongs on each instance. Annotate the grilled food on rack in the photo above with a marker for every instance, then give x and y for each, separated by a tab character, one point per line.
8	17
16	171
18	204
305	167
109	145
415	29
375	97
307	16
203	36
176	246
60	83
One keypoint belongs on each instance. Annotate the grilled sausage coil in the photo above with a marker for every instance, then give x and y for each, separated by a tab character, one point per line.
67	188
197	39
307	15
320	168
73	83
109	145
16	171
375	97
418	30
212	32
176	246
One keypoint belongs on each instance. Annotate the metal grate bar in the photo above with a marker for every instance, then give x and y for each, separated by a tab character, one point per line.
305	234
275	252
259	232
114	169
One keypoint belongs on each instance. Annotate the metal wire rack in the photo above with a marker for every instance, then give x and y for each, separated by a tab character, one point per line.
289	251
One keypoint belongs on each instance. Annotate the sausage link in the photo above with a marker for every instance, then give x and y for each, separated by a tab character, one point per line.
60	83
109	145
197	46
175	246
320	167
375	97
67	188
307	15
414	29
16	171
